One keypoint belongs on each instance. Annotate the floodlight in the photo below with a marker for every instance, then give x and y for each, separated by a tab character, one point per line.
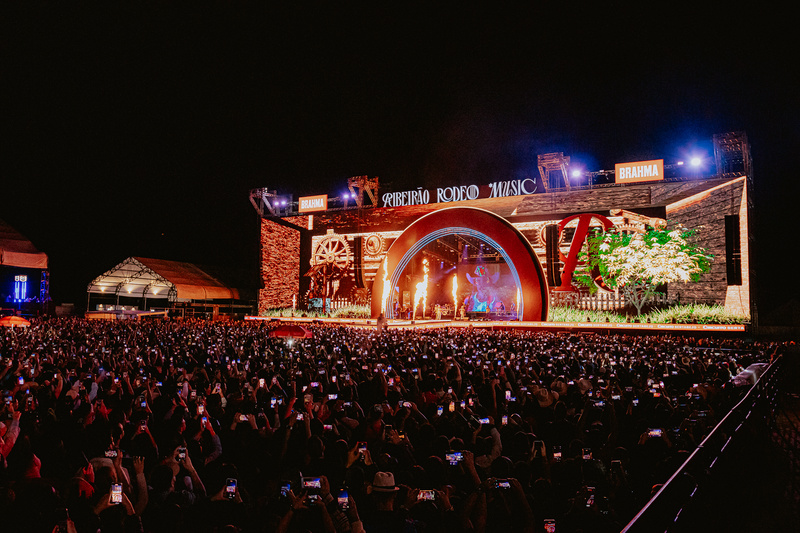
696	161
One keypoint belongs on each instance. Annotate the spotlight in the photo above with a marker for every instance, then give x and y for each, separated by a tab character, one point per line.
695	161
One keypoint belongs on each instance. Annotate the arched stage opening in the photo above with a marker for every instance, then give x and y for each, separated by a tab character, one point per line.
524	269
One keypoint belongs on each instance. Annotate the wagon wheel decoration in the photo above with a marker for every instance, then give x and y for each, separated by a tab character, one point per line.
333	252
330	261
373	244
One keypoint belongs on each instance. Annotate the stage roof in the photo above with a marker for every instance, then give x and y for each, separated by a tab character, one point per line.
142	277
17	251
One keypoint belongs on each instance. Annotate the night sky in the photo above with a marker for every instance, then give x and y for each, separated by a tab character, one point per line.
139	129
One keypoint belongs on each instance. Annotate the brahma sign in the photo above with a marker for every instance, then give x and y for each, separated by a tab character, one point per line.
307	204
639	171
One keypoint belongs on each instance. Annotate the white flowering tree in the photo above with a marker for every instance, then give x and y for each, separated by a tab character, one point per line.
638	263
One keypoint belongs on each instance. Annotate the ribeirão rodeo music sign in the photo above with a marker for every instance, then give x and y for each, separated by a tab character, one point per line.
460	193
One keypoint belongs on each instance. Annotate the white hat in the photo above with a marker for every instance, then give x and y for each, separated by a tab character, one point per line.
384	482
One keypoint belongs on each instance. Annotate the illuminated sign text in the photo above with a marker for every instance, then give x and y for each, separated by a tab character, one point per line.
639	171
460	193
312	203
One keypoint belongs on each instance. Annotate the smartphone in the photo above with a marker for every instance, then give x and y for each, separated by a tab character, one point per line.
440	410
285	488
111	454
62	516
311	483
143	425
454	458
243	418
484	420
261	383
549	525
201	409
508	395
333	396
590	499
655	433
502	484
343	500
557	454
587	454
230	488
116	493
362	447
426	495
204	421
181	457
504	420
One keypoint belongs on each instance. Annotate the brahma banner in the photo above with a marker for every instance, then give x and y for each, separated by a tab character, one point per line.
639	171
307	204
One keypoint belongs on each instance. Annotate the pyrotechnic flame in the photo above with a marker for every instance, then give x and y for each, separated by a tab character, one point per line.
455	295
518	295
387	290
422	290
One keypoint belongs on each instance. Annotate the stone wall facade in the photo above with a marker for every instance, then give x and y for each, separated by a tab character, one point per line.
280	265
706	212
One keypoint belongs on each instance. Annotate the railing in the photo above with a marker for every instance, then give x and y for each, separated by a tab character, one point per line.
682	502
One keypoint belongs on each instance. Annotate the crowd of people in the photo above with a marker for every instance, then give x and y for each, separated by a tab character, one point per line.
185	425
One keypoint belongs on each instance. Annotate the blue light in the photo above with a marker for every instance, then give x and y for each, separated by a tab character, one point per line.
20	288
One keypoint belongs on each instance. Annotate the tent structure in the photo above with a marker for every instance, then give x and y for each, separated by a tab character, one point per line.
140	277
17	251
14	321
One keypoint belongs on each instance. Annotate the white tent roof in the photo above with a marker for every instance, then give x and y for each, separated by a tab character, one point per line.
141	277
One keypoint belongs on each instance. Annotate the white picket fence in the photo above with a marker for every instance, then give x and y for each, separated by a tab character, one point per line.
601	301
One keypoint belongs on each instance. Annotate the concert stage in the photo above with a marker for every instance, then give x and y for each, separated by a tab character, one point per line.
520	248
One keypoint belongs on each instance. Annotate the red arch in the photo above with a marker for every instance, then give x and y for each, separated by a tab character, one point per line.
531	276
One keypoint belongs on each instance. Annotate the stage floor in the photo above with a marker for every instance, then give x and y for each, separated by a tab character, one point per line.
604	327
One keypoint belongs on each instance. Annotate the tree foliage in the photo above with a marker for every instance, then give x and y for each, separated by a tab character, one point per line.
638	263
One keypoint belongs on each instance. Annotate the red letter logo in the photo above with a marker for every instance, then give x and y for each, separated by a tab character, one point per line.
571	260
